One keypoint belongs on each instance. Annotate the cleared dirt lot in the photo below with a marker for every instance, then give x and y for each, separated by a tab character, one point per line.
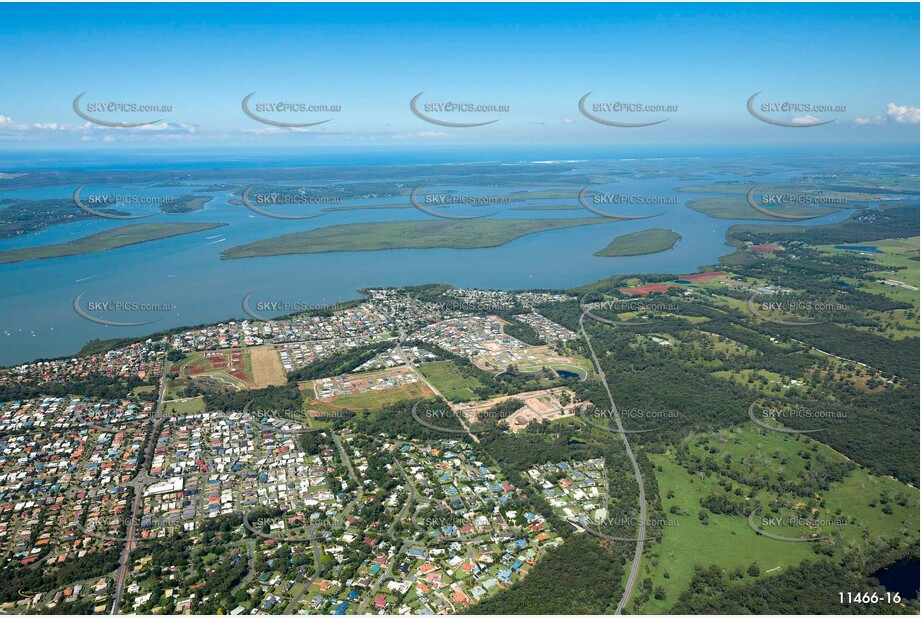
267	368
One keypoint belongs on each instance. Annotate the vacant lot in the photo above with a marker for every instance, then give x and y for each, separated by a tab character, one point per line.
374	400
447	378
229	367
267	367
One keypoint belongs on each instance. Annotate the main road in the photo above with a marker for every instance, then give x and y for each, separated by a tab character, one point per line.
138	483
641	533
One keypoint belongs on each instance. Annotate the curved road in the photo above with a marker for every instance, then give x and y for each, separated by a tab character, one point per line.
641	533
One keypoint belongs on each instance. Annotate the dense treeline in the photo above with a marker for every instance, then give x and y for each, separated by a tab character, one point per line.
98	346
397	420
580	577
810	588
99	387
884	221
338	363
878	427
521	331
312	442
277	401
44	579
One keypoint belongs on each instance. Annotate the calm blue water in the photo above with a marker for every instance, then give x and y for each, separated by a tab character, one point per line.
38	320
862	249
902	577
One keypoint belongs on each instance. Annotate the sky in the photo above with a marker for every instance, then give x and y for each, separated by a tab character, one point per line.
699	63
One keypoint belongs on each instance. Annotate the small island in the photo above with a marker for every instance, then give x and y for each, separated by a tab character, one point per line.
727	207
641	243
428	234
103	241
184	203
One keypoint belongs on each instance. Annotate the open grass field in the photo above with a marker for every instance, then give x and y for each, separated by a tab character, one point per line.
859	490
898	262
447	378
541	356
755	378
386	393
318	414
640	243
374	400
725	539
267	369
428	234
104	241
874	508
190	405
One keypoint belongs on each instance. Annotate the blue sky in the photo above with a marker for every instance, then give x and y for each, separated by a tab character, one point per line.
537	59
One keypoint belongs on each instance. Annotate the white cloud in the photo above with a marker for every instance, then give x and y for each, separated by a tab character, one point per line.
903	113
167	126
88	131
865	121
568	121
805	120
